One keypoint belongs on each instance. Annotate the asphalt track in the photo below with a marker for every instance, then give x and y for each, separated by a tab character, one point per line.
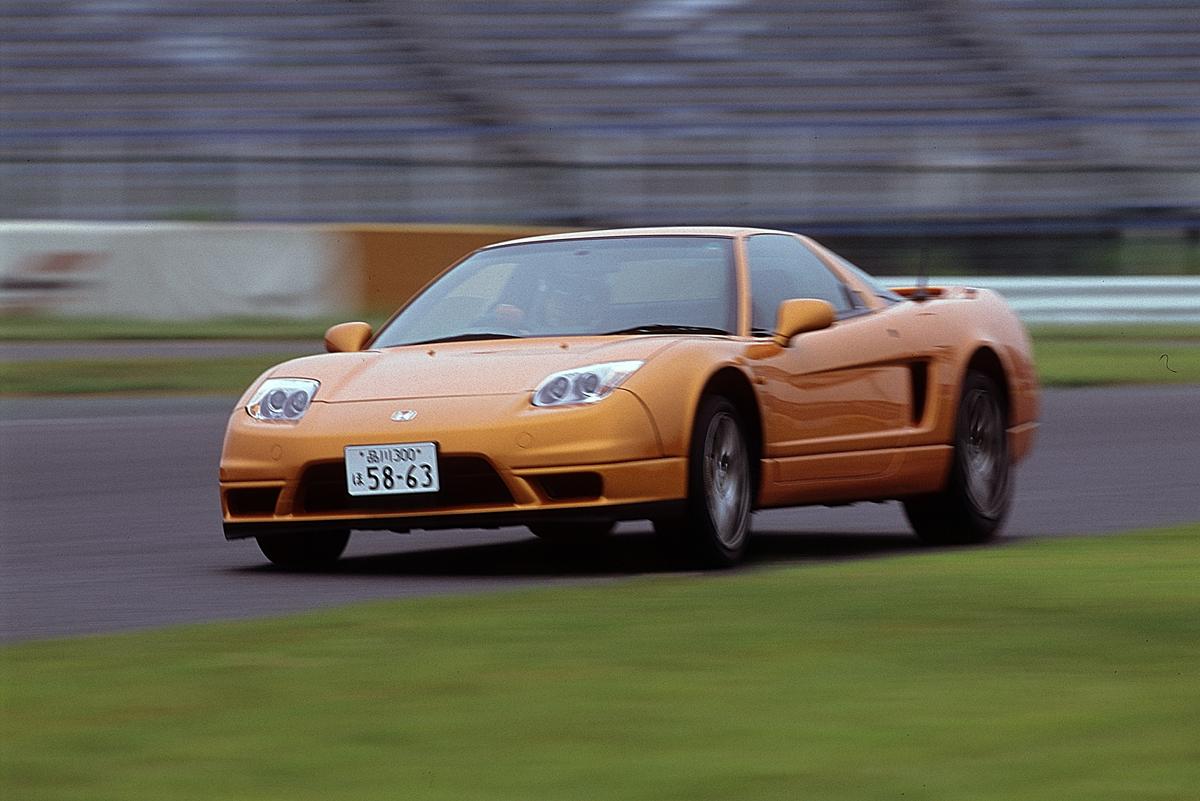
109	518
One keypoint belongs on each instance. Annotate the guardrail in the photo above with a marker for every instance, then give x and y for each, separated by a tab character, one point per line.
177	270
1090	299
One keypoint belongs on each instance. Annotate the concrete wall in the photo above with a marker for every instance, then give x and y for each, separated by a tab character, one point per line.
197	271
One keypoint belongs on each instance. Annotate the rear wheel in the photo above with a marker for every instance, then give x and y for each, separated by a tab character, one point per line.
975	502
304	551
716	524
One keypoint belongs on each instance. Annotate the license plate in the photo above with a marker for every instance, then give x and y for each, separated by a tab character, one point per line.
399	469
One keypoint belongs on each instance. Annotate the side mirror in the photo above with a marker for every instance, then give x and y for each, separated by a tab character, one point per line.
347	337
800	315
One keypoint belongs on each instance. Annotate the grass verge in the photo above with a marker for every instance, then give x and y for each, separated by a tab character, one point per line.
157	375
1061	669
1071	362
1066	356
38	328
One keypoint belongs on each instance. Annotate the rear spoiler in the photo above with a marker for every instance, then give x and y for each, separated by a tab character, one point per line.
928	292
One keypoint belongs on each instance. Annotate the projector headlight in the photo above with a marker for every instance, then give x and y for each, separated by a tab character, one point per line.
583	384
282	400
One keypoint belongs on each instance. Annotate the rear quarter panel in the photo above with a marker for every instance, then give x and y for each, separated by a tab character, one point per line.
955	328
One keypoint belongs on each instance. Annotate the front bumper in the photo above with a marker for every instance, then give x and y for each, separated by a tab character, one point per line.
608	513
503	463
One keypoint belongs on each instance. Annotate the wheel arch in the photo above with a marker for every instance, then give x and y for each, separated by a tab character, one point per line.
735	386
987	361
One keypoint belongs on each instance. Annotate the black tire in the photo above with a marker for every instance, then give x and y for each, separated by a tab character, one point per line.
715	526
572	532
973	506
304	551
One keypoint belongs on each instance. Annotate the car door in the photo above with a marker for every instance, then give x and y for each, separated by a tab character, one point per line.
834	401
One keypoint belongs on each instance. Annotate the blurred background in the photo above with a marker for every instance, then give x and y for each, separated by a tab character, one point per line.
957	136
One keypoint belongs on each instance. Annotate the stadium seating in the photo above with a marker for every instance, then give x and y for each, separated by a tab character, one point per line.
838	111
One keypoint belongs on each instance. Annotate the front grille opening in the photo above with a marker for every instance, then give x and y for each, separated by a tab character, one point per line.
252	501
571	486
465	481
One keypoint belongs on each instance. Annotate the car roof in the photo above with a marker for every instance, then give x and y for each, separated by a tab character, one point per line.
676	230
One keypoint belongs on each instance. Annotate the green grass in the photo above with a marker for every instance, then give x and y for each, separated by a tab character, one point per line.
1123	332
1083	362
1066	356
228	375
1052	669
1083	355
40	328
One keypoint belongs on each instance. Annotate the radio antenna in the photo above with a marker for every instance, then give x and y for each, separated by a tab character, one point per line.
922	291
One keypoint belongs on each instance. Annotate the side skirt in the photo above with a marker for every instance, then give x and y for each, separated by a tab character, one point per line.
919	470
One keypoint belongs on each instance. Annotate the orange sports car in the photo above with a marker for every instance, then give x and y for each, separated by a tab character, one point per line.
687	376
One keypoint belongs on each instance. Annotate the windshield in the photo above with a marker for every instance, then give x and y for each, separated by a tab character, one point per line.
648	284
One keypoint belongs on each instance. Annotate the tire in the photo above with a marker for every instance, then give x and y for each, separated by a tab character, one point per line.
572	532
715	526
304	551
973	506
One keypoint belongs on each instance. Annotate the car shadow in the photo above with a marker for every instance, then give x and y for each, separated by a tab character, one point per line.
627	554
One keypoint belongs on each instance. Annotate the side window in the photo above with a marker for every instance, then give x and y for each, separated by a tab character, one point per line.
877	288
782	268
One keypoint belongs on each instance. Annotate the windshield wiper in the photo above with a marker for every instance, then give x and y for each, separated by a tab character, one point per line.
662	328
467	338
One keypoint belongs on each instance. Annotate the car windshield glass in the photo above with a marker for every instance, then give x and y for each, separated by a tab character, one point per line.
647	284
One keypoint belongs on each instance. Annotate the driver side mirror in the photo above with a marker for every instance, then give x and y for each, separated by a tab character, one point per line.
347	337
800	315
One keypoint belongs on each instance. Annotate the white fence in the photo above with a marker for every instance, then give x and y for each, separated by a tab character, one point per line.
1092	299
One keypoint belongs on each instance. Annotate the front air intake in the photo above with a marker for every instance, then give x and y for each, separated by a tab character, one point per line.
252	501
577	486
465	481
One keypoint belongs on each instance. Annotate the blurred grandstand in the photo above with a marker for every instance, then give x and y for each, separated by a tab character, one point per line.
850	116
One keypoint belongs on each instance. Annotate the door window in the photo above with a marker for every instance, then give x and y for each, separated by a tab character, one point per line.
782	268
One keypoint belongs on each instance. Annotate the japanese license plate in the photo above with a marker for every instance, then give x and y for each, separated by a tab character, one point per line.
402	468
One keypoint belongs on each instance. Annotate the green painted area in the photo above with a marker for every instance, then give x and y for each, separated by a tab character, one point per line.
1048	669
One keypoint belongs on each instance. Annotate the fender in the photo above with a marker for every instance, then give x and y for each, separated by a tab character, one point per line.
672	383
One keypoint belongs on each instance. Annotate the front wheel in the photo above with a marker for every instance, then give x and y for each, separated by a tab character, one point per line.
716	524
974	504
304	551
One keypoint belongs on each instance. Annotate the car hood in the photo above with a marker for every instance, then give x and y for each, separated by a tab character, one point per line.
490	367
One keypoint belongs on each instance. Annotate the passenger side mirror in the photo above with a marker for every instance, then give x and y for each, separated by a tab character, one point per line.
800	315
347	337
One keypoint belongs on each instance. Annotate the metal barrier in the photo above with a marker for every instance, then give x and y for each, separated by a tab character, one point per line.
1091	299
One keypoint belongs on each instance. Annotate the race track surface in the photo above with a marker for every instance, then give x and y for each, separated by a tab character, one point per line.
109	516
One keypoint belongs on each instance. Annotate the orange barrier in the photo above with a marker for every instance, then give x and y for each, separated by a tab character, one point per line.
397	260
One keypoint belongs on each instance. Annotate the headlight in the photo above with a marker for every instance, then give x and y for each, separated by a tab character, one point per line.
283	400
583	384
